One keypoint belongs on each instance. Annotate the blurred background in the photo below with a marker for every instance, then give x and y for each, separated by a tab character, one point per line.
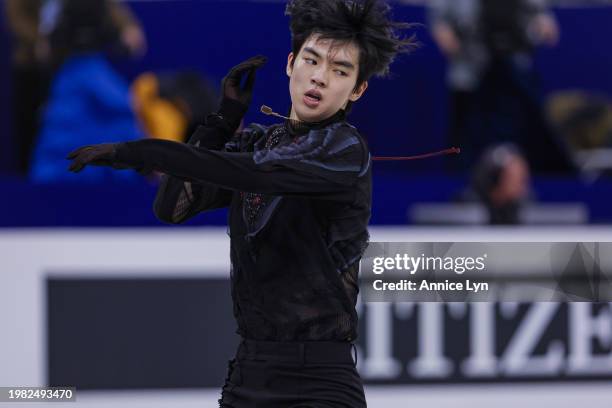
96	293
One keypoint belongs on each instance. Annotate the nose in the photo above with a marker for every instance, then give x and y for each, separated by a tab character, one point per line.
318	78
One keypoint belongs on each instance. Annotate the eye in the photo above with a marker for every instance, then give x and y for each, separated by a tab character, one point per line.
340	72
310	61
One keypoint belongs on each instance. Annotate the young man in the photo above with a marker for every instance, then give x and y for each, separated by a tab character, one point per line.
299	195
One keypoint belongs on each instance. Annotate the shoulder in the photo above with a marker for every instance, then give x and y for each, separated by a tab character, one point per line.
343	141
339	141
341	137
338	147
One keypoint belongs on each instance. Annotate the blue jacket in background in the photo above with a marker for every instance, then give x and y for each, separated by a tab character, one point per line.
88	104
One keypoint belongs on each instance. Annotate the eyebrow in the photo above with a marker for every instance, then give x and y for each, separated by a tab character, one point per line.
342	63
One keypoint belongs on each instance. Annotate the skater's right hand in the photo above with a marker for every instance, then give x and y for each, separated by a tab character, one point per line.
231	85
93	155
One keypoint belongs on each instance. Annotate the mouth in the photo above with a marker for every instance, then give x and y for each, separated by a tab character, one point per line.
312	98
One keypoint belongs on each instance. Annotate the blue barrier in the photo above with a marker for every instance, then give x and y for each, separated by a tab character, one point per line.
130	204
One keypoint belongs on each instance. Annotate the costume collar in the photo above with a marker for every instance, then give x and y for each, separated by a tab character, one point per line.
297	127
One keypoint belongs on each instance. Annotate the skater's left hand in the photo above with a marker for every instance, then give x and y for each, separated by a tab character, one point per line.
231	84
95	155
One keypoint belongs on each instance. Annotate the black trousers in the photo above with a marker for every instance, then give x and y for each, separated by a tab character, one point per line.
292	375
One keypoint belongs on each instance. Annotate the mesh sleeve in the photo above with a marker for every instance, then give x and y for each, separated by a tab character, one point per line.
178	200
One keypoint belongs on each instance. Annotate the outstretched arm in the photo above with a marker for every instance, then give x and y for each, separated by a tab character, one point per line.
324	164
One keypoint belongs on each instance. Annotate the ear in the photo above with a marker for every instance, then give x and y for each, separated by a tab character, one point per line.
359	91
290	64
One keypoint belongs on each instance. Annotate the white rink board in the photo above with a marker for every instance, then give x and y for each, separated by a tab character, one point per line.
29	256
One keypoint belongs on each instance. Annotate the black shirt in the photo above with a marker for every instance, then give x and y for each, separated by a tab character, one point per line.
299	202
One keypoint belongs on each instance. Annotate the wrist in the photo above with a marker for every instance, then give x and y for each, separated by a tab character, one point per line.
121	153
232	111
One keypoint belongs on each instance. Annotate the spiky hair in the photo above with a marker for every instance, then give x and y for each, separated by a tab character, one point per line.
366	23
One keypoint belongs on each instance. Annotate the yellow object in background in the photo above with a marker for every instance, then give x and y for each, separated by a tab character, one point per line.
160	118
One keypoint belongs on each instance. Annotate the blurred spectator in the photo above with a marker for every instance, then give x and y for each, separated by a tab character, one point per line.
30	22
585	122
171	106
584	119
88	102
494	93
501	181
78	28
30	75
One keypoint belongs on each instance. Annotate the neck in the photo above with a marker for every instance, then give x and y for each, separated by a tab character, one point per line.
294	117
297	126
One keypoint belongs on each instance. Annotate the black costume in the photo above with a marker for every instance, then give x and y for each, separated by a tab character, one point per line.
300	201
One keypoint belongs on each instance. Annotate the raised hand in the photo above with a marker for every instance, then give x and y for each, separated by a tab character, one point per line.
231	85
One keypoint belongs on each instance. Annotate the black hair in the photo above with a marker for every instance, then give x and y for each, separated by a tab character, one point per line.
487	172
367	23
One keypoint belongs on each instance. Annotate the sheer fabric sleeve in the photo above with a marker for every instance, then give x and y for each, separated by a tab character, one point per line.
178	199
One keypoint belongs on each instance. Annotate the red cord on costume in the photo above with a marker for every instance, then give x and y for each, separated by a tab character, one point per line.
452	150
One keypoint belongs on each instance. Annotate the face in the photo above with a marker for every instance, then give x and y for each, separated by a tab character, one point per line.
514	182
322	79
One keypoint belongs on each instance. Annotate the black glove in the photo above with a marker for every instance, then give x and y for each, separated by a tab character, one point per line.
95	155
231	83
